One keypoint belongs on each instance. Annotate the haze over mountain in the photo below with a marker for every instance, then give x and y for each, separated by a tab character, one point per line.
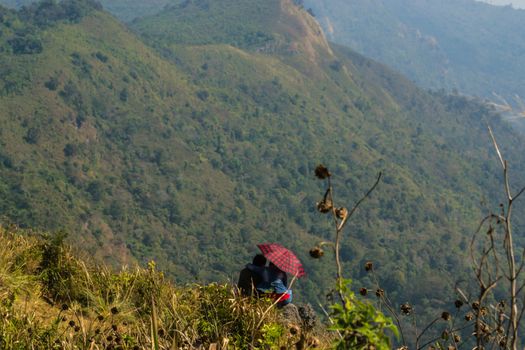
196	138
467	45
514	3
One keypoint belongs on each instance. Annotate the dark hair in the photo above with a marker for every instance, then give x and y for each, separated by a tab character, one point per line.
259	260
279	273
273	266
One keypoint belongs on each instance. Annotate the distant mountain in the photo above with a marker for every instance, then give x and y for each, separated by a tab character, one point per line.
193	148
476	48
125	10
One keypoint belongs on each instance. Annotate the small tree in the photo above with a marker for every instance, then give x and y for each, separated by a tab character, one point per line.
499	303
488	311
358	324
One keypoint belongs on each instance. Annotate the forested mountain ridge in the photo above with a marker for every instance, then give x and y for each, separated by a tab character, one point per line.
125	10
192	150
466	45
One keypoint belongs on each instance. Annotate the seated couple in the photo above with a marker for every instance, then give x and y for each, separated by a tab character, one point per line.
264	281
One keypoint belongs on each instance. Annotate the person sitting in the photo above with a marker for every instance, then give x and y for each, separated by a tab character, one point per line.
252	275
274	285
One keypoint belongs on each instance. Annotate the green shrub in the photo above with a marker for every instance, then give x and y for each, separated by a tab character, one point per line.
52	300
25	45
361	325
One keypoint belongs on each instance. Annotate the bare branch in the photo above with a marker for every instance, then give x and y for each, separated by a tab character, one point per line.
358	203
497	148
522	264
465	325
519	193
329	195
339	227
520	289
393	312
329	319
507	185
424	331
460	292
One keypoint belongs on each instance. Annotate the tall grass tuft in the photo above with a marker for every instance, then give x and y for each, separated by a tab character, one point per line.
50	299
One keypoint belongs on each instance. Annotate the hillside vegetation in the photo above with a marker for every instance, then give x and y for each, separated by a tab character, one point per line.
466	45
51	299
192	149
125	10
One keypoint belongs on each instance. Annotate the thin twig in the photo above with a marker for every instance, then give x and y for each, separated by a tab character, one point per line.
519	193
330	319
275	303
358	203
329	192
496	146
424	331
393	312
339	230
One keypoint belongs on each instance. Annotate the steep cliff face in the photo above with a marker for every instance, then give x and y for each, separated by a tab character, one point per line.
306	33
273	26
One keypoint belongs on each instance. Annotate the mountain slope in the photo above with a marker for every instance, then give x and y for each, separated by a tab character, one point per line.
274	27
192	155
125	10
467	45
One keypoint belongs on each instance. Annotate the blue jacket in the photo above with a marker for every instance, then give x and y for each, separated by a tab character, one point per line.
273	281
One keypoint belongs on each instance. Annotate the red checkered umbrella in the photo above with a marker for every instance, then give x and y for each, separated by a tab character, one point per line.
282	258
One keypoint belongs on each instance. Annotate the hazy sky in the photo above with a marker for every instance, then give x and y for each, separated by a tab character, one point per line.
515	3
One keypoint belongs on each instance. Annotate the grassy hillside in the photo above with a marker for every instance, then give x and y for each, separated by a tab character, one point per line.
467	45
51	299
192	150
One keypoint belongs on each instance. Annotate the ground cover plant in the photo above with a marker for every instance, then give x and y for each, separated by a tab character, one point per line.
51	299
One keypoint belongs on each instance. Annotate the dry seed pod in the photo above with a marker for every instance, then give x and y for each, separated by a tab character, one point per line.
446	316
313	342
483	311
341	213
294	329
316	252
324	206
322	172
406	309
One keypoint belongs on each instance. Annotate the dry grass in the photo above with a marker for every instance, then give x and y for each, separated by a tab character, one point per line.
52	300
